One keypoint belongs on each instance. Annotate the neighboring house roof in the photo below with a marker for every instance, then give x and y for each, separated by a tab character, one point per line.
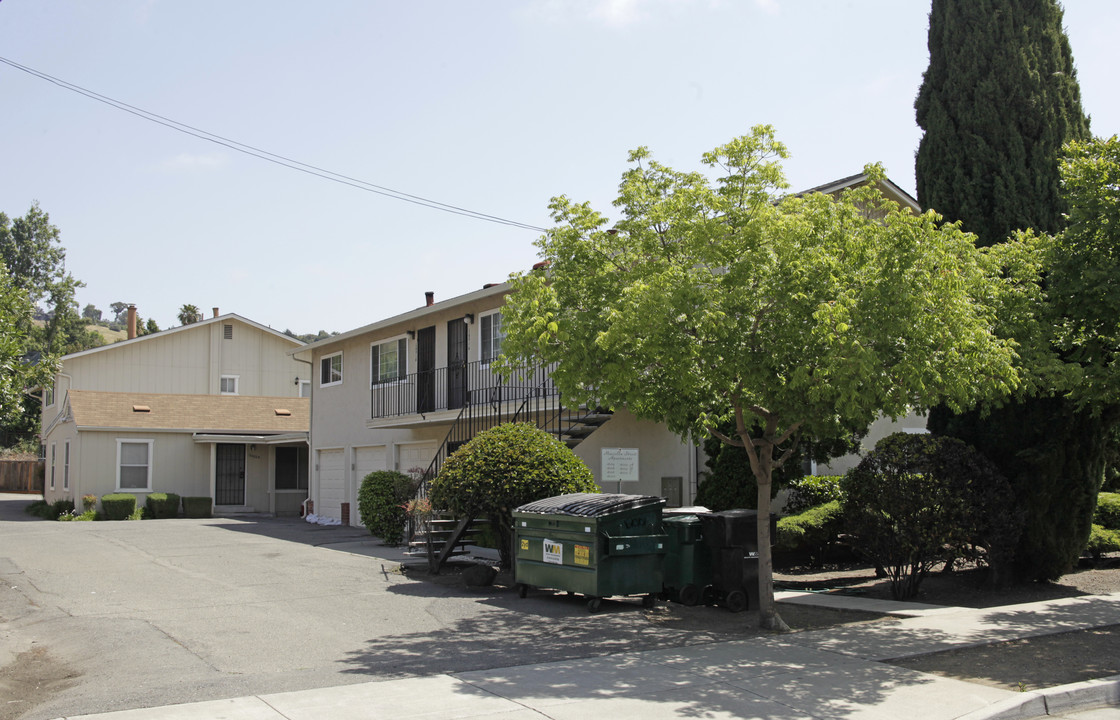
213	414
856	180
496	289
186	328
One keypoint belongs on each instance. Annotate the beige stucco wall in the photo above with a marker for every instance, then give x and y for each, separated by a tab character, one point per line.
912	422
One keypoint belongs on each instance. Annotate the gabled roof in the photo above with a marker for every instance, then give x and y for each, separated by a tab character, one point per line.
188	328
886	185
188	413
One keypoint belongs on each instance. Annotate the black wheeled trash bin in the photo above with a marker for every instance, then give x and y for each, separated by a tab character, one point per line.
732	539
597	545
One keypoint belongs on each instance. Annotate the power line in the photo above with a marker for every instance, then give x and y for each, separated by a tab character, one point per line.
269	156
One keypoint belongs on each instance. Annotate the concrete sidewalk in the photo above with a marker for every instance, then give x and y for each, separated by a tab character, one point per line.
832	673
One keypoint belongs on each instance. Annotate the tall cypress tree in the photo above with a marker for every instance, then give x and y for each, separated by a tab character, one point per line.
998	101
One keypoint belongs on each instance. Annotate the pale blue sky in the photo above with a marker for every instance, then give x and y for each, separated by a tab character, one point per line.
491	106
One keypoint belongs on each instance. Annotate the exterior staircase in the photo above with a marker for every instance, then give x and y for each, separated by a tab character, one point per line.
538	403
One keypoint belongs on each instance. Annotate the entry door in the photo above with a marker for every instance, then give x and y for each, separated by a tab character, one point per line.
229	487
426	369
456	364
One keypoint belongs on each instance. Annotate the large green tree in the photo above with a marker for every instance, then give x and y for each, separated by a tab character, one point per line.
998	101
715	301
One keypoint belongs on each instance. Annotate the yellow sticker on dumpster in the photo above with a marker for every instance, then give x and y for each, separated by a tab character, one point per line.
583	555
524	543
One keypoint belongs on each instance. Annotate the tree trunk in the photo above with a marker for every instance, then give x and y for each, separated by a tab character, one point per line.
768	617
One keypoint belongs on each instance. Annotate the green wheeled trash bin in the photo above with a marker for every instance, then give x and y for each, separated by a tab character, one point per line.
597	545
688	561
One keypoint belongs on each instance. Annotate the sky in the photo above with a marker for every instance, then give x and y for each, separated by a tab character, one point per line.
486	106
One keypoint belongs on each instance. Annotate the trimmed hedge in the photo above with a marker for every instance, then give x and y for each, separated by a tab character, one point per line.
197	507
162	505
1102	540
1107	513
811	531
118	506
381	504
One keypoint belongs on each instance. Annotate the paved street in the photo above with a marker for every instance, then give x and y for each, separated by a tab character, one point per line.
132	614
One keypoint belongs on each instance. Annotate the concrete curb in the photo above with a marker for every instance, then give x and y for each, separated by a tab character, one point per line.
1086	695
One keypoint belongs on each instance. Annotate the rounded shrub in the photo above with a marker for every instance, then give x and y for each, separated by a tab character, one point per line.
1102	540
505	467
811	531
1107	513
813	490
917	500
381	504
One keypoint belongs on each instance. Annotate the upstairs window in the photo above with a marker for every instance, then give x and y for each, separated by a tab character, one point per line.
228	385
330	370
388	361
48	396
490	327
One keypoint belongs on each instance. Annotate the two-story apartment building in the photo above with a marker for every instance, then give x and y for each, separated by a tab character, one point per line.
401	393
212	409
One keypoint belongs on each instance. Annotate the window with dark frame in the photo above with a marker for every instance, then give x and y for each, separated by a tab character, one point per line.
389	361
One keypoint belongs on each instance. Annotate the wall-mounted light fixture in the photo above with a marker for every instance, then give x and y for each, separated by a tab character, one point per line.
297	380
411	334
468	318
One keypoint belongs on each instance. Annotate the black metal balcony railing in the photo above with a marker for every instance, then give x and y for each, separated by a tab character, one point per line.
457	387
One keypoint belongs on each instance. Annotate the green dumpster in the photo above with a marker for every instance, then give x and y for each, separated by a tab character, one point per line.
597	545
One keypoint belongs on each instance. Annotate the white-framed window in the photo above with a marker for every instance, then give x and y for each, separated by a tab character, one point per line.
330	370
490	336
228	384
48	396
66	466
54	453
388	361
134	464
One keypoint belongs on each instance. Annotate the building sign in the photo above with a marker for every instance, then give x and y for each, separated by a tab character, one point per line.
620	465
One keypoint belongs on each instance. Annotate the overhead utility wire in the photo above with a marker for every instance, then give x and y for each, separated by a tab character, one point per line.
269	156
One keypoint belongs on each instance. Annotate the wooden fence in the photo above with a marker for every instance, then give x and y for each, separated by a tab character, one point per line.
21	476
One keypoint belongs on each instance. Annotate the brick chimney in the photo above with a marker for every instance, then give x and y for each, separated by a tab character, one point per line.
429	298
131	321
215	312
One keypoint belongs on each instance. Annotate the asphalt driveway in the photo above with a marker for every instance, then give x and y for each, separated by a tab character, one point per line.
98	616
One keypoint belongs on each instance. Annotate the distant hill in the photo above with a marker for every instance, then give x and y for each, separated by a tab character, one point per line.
110	336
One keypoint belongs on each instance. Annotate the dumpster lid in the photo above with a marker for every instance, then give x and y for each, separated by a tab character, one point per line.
589	504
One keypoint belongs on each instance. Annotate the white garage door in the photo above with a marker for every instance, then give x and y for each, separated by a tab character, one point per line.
332	483
366	460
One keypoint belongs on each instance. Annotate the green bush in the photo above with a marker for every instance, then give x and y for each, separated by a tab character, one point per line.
381	504
1102	540
812	531
162	505
118	506
61	507
505	467
1107	513
917	500
39	508
197	507
811	491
